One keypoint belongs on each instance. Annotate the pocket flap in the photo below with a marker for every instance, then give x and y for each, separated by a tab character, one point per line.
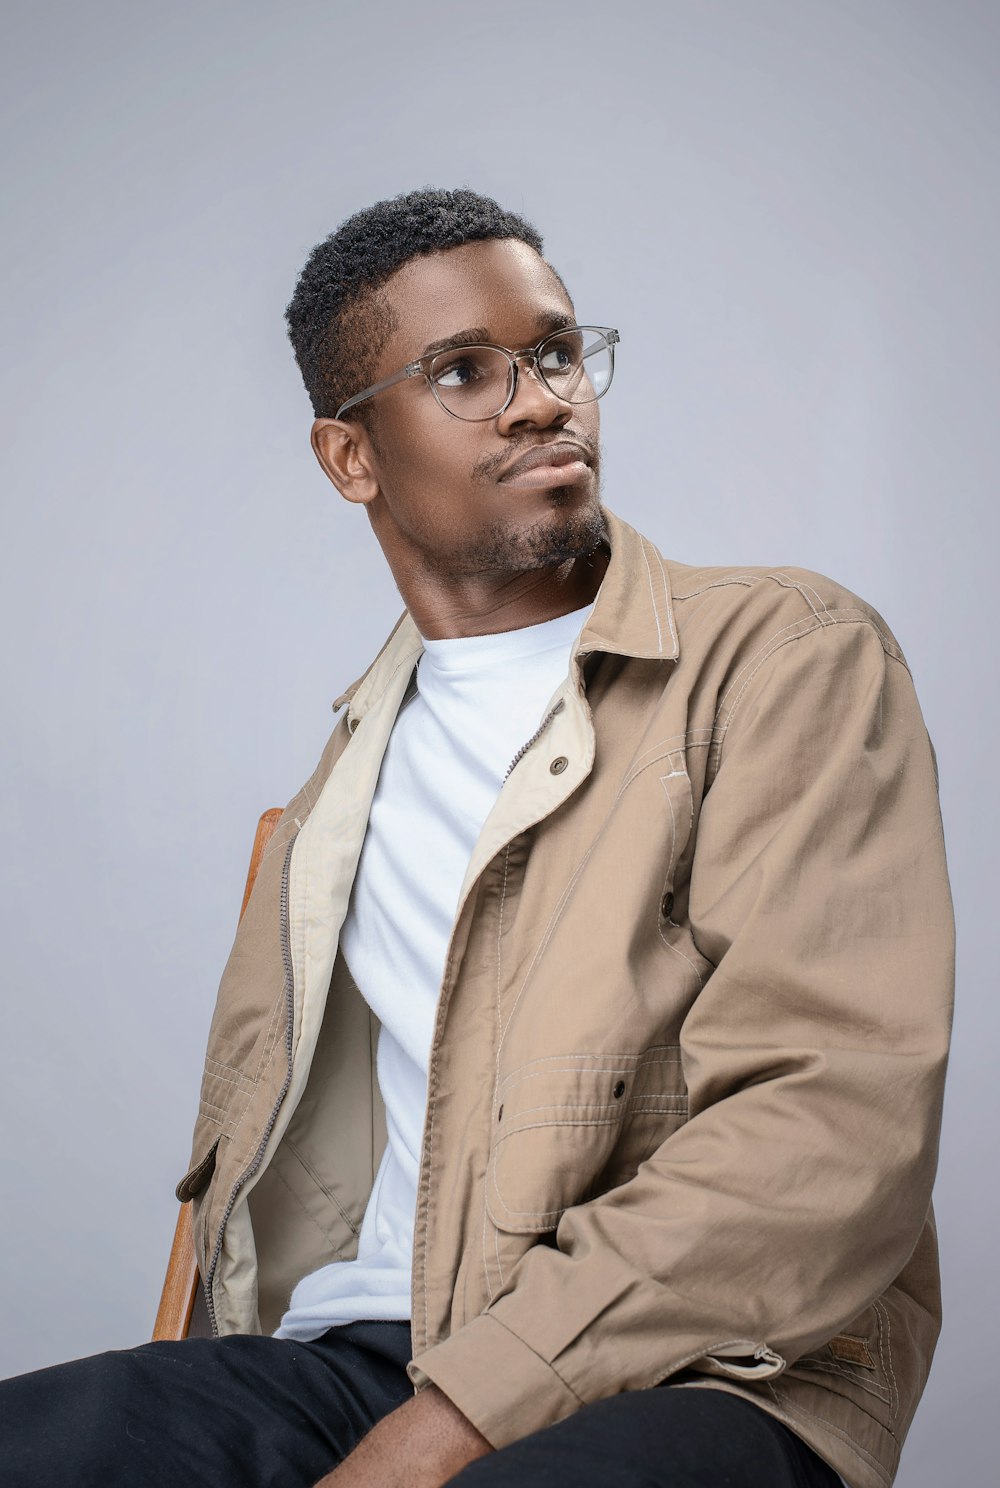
200	1175
558	1121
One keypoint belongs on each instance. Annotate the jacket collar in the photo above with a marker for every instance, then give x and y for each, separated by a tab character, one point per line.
633	615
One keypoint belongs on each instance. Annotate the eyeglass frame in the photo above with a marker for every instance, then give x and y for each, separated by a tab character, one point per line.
418	368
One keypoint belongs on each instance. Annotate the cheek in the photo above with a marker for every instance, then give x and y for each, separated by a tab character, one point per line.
427	444
427	464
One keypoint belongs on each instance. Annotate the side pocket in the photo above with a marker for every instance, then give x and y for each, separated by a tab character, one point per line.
567	1121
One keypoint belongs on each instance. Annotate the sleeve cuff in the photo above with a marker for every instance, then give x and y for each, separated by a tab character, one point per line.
498	1383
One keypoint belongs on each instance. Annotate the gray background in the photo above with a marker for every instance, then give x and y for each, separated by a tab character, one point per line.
790	210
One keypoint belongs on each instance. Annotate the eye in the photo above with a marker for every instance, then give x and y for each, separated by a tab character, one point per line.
560	356
456	374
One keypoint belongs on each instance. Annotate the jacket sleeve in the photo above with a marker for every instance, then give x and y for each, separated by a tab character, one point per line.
814	1057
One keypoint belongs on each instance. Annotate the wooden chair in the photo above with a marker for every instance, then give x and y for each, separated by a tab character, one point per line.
182	1307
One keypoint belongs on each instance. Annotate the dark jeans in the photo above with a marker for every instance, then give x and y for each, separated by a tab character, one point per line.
264	1413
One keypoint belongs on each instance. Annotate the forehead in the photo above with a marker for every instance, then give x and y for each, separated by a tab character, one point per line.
503	286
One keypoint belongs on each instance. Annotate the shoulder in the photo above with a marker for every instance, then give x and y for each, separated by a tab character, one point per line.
755	609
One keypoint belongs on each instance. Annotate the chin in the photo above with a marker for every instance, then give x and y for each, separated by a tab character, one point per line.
562	524
573	527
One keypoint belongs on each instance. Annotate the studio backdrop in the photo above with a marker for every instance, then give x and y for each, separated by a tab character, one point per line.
789	209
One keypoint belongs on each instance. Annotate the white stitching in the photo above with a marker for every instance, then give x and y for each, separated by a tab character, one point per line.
627	1054
768	648
578	1063
664	746
843	618
666	596
503	899
652	597
246	1108
279	1003
629	1064
882	1313
745	580
787	582
721	739
795	1409
242	1085
846	1374
611	1105
666	600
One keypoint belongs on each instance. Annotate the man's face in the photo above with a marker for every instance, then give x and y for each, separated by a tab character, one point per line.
448	499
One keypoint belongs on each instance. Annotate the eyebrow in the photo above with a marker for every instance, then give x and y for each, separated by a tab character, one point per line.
553	320
473	336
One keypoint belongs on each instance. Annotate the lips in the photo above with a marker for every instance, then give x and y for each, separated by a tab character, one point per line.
544	456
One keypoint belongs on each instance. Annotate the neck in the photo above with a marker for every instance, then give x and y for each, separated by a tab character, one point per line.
485	604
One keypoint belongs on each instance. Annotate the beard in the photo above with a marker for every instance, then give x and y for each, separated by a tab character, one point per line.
567	527
563	535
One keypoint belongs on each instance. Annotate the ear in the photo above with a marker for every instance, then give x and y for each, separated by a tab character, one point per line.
344	450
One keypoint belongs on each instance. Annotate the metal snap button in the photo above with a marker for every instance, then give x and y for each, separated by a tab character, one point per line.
559	764
667	907
619	1089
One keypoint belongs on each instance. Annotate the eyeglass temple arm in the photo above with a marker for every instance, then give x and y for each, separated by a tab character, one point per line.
412	369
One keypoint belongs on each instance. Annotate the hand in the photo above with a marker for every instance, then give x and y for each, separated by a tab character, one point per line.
421	1444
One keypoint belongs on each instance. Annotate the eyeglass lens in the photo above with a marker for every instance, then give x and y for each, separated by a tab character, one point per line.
473	382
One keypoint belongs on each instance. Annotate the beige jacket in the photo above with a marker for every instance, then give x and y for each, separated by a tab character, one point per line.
686	1072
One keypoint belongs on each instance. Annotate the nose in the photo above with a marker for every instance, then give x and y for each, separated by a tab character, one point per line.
534	404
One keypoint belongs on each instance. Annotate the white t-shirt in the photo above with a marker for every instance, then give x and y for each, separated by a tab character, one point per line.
478	699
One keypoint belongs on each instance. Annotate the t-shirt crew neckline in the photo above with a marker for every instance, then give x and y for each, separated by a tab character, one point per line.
473	653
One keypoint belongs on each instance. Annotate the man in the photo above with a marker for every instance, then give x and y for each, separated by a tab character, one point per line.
579	1058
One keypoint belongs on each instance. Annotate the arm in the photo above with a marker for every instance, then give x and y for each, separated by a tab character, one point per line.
814	1057
421	1444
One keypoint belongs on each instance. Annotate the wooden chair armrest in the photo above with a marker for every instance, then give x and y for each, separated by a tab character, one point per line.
180	1285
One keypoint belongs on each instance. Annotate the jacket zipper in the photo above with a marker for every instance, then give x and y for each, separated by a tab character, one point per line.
539	731
286	956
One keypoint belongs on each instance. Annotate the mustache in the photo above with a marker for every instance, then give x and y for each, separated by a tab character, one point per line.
490	466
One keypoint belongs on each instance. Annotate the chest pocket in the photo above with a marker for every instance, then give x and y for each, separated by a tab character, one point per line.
569	1127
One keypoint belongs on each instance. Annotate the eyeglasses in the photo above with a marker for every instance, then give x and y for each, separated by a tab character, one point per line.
476	383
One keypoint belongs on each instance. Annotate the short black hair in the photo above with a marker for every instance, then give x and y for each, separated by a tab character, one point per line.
336	323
